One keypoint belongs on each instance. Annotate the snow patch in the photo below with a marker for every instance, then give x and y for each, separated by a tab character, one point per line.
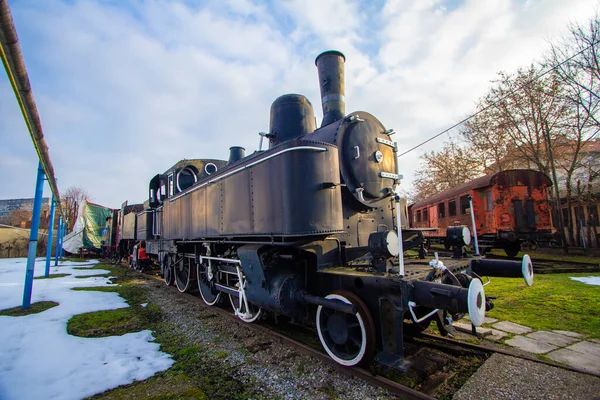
40	360
590	280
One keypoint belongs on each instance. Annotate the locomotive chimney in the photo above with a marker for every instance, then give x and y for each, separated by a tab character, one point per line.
330	65
236	153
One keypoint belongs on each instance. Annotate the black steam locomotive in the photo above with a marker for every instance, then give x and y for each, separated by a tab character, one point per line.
311	228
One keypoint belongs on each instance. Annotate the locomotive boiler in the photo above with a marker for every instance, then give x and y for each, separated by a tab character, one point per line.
310	229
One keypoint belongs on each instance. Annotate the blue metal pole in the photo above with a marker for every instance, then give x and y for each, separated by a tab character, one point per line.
50	234
57	252
62	237
35	224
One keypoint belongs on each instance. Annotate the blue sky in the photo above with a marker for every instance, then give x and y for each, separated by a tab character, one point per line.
127	88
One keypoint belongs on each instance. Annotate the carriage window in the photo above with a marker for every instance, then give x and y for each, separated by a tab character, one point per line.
464	204
442	210
170	185
418	215
425	215
489	201
452	208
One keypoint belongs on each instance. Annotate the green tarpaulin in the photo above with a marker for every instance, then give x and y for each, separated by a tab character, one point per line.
88	231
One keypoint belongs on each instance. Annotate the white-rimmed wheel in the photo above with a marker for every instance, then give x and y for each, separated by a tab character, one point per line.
348	338
183	274
243	309
527	270
476	302
206	283
168	273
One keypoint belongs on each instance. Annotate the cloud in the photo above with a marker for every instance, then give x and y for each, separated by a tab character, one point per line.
126	89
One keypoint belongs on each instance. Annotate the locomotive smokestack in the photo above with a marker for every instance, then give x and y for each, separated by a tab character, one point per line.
330	65
236	153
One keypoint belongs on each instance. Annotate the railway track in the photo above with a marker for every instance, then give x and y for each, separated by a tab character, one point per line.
429	353
545	266
540	266
361	373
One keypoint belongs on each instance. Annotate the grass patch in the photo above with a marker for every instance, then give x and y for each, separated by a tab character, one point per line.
112	322
554	302
52	276
198	373
157	388
547	256
97	288
93	276
34	308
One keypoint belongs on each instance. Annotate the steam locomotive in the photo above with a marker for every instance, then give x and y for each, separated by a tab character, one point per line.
312	229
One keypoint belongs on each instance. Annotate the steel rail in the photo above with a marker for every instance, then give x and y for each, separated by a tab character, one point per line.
14	64
507	352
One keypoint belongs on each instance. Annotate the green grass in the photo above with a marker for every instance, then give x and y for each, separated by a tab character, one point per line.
198	372
97	288
553	302
92	276
113	322
51	276
158	388
34	308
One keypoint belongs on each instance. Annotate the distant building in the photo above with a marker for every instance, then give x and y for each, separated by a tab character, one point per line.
10	205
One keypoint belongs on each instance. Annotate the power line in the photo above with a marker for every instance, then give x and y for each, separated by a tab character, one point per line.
512	92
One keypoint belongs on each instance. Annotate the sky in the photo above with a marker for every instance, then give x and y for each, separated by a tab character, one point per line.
41	361
126	88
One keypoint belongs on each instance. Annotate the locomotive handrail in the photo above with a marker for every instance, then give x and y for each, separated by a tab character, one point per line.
229	260
218	178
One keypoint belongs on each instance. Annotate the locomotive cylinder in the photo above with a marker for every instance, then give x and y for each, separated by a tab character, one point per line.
330	66
441	296
292	116
236	153
505	268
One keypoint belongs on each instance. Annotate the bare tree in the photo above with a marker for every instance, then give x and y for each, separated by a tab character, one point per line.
578	65
71	199
19	217
488	141
450	167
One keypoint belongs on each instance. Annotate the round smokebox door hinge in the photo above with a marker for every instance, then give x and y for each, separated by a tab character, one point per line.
378	156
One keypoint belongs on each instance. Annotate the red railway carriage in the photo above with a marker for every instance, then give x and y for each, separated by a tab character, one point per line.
510	208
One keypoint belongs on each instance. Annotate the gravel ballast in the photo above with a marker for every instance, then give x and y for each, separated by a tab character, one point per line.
277	370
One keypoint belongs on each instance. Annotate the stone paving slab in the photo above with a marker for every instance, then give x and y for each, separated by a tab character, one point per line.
552	338
465	327
511	327
530	345
595	340
586	347
586	362
496	335
569	333
486	320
